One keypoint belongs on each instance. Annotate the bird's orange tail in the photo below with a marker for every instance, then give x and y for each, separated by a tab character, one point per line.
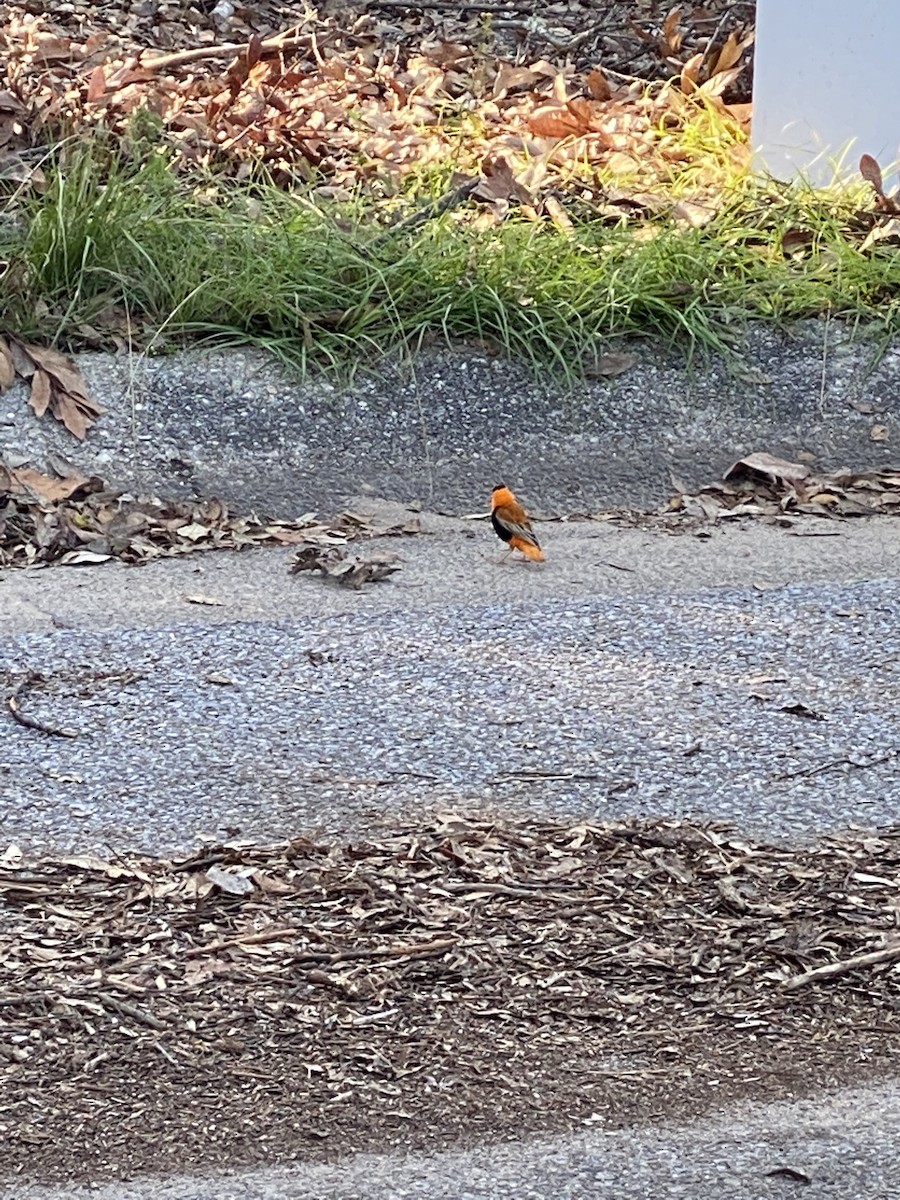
528	549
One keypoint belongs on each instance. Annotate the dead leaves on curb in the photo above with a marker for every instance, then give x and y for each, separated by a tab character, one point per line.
77	521
57	385
763	485
325	551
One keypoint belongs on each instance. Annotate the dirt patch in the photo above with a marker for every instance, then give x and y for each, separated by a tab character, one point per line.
449	982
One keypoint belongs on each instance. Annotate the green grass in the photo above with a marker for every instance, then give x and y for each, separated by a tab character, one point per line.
129	250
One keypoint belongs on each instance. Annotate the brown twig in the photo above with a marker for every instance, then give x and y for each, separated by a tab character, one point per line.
281	41
833	969
250	939
833	763
131	1010
12	703
418	950
626	78
546	777
459	6
201	861
535	892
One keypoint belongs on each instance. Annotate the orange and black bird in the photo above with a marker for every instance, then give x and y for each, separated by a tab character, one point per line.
511	524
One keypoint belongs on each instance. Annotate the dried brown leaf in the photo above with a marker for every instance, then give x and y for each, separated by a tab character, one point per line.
83	558
884	232
768	466
7	366
48	488
510	78
871	172
557	121
728	56
690	73
499	183
598	85
672	37
718	83
559	216
96	85
24	364
41	392
67	409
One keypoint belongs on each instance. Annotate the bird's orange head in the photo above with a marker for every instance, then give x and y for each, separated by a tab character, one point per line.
501	495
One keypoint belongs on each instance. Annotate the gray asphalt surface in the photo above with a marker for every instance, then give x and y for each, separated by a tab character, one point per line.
842	1146
773	708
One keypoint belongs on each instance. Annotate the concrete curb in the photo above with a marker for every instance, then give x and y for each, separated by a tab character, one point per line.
442	429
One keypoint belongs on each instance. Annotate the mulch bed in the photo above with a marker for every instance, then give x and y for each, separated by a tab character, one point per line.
456	980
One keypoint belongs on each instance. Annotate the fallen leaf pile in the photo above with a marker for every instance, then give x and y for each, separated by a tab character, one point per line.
326	552
56	383
368	93
766	487
263	1002
76	521
351	571
762	485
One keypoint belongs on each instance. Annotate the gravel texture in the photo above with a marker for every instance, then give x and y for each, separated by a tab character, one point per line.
775	709
443	428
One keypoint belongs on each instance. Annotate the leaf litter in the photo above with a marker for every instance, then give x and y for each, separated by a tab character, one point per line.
57	386
318	997
333	562
75	520
363	94
771	489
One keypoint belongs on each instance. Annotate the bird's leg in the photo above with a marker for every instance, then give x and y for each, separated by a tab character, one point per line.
504	557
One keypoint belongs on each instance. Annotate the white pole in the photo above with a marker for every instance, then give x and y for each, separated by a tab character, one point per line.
826	87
